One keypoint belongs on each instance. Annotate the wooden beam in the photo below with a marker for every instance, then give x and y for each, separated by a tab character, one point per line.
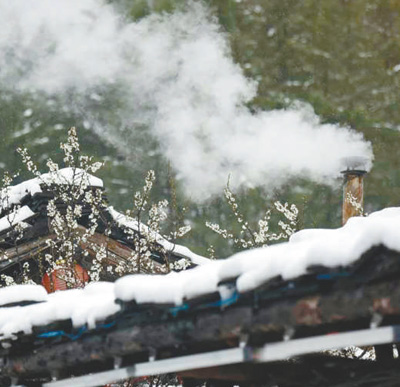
117	251
25	251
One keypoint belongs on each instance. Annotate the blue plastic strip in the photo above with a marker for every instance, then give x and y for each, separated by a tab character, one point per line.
106	326
80	332
72	337
329	276
77	335
51	334
176	309
217	304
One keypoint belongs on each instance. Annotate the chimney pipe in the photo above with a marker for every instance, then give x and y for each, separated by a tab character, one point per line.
353	188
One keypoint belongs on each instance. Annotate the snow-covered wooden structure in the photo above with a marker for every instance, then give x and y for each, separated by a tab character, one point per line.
26	203
261	316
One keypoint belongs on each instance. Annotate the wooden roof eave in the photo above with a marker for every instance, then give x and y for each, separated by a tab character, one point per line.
24	251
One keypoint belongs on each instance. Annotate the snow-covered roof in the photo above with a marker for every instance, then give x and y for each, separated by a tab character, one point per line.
252	268
22	293
13	195
82	306
178	250
12	219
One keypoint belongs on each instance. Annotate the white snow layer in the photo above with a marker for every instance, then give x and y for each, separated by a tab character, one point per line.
82	306
327	247
20	293
251	268
20	215
123	220
75	176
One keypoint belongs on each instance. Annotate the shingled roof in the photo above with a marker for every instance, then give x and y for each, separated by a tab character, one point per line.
27	202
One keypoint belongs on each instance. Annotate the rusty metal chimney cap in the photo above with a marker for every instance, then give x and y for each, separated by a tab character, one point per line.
356	165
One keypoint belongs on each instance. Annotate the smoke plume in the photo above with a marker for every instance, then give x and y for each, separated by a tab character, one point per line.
173	73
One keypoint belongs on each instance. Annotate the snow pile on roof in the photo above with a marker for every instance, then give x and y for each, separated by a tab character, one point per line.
22	293
73	176
20	215
250	269
327	247
123	220
82	306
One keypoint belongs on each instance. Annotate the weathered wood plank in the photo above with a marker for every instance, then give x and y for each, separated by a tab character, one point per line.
25	251
117	251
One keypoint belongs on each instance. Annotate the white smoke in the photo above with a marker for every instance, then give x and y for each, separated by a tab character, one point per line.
178	77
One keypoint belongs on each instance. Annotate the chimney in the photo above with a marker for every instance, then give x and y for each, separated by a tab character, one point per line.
353	188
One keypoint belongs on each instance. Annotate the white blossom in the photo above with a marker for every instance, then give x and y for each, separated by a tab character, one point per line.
352	200
67	237
8	280
262	235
